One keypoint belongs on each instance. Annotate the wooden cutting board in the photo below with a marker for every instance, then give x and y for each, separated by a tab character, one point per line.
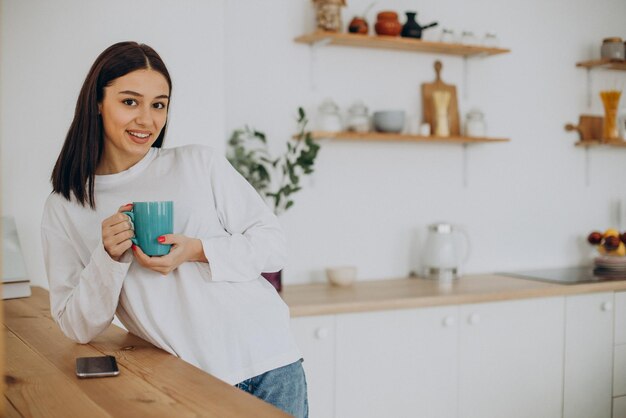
589	127
428	107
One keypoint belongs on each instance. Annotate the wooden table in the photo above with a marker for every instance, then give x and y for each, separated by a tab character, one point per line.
41	380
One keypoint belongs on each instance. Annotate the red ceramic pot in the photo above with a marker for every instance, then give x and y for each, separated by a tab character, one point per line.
358	25
387	24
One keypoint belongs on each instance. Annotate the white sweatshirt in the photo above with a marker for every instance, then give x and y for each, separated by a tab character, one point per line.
222	316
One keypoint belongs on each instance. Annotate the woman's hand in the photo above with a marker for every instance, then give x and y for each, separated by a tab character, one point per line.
117	232
183	249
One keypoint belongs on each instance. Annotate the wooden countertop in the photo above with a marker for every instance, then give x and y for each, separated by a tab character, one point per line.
41	380
324	299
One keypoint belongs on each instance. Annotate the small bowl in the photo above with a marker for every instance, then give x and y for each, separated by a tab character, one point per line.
341	276
389	121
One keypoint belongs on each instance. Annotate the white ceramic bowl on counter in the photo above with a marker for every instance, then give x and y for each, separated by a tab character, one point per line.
341	276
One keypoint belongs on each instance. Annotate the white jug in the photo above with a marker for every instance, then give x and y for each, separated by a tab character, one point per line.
446	249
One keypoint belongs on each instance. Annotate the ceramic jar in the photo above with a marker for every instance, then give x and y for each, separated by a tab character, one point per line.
387	24
468	38
490	40
612	48
475	125
328	14
358	25
329	118
358	118
447	36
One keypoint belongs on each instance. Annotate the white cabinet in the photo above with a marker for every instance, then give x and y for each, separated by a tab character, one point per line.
619	367
511	359
588	356
619	407
315	336
619	357
543	357
399	363
620	318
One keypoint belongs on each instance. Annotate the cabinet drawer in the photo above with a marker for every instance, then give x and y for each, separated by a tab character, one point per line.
620	318
619	371
315	336
619	407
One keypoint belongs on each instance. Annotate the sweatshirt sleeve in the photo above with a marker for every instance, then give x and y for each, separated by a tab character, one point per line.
83	298
255	242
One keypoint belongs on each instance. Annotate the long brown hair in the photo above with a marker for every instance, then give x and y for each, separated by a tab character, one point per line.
75	169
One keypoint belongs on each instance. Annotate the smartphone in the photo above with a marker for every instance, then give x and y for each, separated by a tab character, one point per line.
96	366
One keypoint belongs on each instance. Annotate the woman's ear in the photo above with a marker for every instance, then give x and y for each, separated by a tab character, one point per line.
99	108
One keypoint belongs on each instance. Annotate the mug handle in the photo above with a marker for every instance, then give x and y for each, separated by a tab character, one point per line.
131	219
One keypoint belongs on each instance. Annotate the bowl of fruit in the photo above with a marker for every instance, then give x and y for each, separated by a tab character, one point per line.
611	246
611	242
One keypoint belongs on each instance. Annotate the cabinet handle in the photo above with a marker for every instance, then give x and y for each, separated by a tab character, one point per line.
607	306
321	333
448	321
474	319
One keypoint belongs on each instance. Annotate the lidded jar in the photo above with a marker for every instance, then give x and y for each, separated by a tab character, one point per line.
387	24
468	38
358	118
475	125
329	118
612	48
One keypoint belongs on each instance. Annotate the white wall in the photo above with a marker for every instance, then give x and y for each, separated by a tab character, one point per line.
233	63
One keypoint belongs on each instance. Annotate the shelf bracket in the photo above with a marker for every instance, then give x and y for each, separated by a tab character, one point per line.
466	75
465	79
587	167
314	46
464	165
589	88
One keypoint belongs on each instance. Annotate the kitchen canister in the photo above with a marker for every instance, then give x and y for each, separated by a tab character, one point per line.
475	125
358	117
612	48
387	24
329	118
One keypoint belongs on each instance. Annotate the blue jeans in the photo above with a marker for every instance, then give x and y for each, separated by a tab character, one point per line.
284	387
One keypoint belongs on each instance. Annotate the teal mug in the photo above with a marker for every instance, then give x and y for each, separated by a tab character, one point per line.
150	220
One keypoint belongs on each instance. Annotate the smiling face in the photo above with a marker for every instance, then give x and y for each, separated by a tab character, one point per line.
134	111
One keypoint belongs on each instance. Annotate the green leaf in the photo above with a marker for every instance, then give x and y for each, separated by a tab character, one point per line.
274	178
260	135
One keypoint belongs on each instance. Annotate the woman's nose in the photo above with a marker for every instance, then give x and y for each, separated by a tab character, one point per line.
143	116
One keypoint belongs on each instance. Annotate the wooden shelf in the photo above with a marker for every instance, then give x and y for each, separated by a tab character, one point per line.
603	63
381	136
398	43
599	143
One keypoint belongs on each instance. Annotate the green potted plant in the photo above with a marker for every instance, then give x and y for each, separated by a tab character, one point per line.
276	179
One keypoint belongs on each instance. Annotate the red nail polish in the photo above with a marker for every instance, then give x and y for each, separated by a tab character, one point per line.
161	239
134	247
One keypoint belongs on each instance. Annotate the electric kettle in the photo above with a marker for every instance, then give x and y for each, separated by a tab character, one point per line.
446	249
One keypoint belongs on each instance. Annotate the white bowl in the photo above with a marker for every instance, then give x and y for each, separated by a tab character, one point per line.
341	276
389	121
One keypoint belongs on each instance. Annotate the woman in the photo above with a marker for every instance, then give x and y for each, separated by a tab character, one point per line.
205	301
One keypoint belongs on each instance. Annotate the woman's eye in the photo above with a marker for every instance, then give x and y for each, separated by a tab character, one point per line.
130	102
159	105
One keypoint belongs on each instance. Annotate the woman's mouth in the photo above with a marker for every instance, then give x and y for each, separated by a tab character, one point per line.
139	137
